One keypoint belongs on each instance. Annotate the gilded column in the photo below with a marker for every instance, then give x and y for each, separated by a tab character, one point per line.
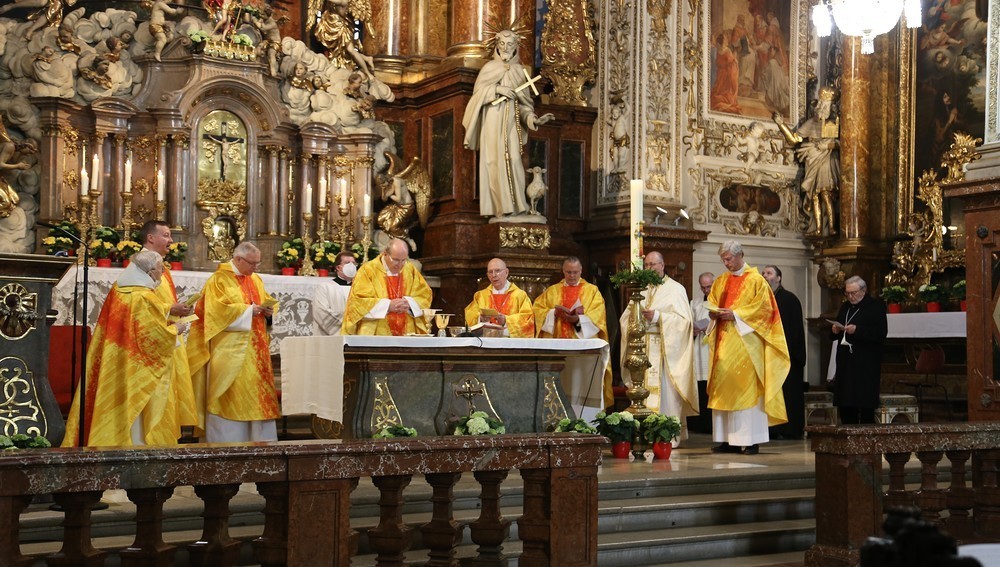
428	28
273	193
117	184
855	136
283	183
182	152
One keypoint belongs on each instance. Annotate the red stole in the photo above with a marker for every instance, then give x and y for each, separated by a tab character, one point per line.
394	289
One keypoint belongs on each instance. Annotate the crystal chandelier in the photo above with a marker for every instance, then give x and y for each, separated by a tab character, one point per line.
864	18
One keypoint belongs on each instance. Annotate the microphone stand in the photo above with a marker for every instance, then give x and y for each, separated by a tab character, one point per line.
82	387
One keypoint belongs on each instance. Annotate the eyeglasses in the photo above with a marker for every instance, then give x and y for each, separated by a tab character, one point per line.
855	293
254	264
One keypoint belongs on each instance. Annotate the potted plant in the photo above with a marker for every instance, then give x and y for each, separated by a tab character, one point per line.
958	292
620	427
22	441
57	243
660	430
175	255
356	249
636	277
324	255
478	423
126	248
567	425
893	296
288	259
931	294
392	431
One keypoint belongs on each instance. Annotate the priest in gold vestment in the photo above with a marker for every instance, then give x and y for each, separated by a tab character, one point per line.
574	309
511	302
229	353
749	358
388	296
669	339
130	396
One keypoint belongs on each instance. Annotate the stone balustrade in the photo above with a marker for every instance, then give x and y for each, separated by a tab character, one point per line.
307	486
852	490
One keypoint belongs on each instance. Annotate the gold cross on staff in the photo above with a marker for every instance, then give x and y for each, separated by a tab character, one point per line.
530	82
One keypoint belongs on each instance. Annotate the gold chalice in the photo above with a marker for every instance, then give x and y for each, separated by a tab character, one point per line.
441	320
429	318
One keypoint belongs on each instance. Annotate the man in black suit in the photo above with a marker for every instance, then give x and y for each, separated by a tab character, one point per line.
793	388
860	331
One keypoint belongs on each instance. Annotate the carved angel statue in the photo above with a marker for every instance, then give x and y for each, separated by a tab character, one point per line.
9	198
158	26
405	191
49	13
335	30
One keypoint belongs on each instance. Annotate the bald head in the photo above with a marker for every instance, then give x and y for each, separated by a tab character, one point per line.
396	254
496	272
654	261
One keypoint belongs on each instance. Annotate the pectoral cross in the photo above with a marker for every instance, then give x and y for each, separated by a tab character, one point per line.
470	388
225	142
530	82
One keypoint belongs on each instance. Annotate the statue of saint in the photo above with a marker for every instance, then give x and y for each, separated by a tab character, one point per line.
335	30
495	121
818	144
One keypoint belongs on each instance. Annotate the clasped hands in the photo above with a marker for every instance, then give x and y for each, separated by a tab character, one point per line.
181	310
571	316
399	305
498	319
263	311
722	315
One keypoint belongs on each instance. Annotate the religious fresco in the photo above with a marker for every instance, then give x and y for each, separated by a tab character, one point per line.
950	78
750	70
743	198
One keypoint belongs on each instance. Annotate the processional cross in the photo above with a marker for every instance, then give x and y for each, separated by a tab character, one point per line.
530	82
225	143
470	388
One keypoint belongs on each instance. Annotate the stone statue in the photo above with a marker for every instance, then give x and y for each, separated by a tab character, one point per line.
270	32
818	144
9	148
49	14
618	121
495	120
158	27
404	192
537	188
335	30
53	77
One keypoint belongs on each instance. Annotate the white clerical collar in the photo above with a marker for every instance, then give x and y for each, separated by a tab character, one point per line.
236	271
740	271
506	286
134	276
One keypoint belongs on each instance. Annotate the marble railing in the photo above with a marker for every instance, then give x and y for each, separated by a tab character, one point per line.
853	491
307	487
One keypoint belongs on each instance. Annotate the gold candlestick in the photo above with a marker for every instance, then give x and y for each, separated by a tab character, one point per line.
321	223
161	210
366	238
95	216
83	225
307	263
343	223
126	222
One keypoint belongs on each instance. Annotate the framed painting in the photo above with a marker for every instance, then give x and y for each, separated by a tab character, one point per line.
752	63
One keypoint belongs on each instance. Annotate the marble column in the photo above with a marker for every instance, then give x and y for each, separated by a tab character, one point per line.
117	184
469	24
182	152
391	20
305	176
284	181
855	137
428	28
178	173
273	193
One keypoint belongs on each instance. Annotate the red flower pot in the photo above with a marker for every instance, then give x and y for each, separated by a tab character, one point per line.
176	266
662	449
621	449
288	271
323	273
104	262
894	308
933	307
962	305
125	263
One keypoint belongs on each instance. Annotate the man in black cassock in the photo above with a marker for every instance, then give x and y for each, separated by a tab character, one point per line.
859	331
793	388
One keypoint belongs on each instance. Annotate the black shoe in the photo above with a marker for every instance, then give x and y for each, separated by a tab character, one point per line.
725	448
751	450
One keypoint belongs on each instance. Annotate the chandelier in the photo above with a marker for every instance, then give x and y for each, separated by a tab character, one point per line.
864	18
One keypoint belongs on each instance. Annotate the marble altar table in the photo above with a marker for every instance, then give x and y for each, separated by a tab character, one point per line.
362	382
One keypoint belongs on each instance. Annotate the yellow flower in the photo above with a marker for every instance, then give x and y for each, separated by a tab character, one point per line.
49	240
331	257
293	252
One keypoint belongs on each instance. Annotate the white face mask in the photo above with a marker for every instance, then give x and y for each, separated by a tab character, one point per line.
350	270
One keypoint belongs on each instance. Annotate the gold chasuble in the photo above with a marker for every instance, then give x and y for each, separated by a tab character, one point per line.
514	304
231	370
187	411
594	326
745	368
373	287
129	374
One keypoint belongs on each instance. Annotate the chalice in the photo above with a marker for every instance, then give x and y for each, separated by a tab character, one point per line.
441	320
429	316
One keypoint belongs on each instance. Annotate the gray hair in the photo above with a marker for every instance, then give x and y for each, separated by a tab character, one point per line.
732	247
703	274
146	260
856	280
244	248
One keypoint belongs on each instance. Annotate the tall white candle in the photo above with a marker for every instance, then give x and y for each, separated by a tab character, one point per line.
635	220
307	200
322	192
95	171
128	176
367	206
161	186
343	193
84	181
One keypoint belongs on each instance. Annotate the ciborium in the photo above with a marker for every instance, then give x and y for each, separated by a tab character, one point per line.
441	320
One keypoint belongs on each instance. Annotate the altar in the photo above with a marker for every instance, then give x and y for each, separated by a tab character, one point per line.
361	383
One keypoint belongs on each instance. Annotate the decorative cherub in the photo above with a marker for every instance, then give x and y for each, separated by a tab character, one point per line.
97	72
403	191
335	30
158	27
10	147
270	33
50	13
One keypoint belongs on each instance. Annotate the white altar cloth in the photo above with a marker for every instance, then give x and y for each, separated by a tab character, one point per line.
312	368
926	325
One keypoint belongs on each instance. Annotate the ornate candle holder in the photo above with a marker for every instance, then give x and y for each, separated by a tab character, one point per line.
161	210
83	225
321	222
126	221
95	214
343	224
307	262
366	235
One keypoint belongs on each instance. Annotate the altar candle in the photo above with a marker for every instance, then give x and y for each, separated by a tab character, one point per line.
367	206
128	176
635	220
95	171
84	181
343	193
307	200
322	192
161	186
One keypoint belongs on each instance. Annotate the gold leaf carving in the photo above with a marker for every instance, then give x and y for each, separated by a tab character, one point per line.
535	238
567	45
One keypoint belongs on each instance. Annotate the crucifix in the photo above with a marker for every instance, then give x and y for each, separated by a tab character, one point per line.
470	388
225	143
529	82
